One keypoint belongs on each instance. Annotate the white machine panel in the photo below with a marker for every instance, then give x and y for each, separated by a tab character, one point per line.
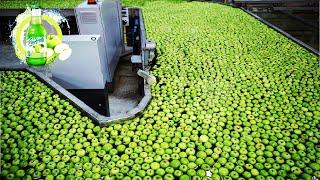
103	18
86	68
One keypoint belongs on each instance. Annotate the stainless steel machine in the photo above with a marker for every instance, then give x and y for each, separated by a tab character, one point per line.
97	48
90	73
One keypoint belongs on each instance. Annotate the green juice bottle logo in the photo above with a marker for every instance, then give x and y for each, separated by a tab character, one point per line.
36	44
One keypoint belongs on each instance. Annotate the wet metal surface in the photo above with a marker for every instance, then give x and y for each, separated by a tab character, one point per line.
125	95
8	57
304	31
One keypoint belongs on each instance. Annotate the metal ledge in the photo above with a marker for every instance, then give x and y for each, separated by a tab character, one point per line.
315	9
306	46
314	25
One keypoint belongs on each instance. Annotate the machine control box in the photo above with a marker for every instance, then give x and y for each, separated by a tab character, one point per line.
82	70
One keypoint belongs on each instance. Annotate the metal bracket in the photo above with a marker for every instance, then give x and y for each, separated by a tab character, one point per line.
147	76
150	48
